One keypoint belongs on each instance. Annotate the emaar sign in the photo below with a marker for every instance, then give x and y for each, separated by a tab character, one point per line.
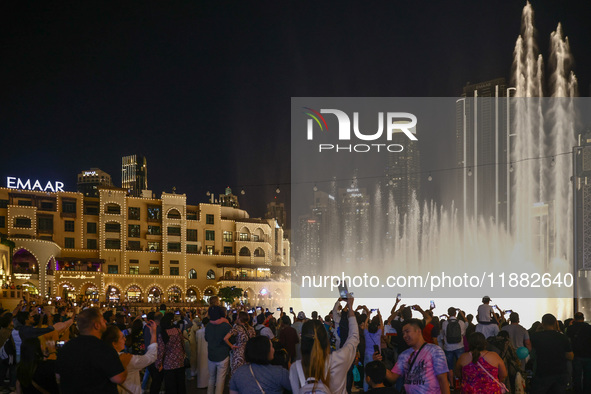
17	183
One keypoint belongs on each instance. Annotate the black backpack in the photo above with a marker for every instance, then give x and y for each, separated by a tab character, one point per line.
453	333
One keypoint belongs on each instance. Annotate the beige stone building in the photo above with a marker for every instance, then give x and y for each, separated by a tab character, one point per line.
122	248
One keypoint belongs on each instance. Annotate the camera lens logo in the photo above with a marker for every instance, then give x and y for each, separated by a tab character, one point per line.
396	122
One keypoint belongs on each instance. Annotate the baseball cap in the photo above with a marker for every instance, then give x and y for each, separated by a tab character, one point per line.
486	298
301	315
268	314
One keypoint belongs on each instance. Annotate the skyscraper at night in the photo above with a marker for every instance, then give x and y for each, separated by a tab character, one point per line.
403	172
134	174
481	150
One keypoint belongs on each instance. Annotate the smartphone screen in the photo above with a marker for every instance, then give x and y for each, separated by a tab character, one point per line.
144	316
291	308
398	296
432	304
374	310
343	289
278	309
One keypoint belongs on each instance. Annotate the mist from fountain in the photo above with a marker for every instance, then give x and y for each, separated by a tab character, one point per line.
433	236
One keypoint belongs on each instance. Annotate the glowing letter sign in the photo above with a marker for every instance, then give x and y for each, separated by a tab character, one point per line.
17	183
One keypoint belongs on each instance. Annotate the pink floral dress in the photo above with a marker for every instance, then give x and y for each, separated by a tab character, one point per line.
475	380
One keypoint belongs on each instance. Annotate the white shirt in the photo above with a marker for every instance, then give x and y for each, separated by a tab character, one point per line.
484	311
340	361
133	382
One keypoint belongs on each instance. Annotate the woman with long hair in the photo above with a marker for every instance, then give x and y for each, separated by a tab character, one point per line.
318	362
257	374
481	371
171	355
135	340
113	336
35	374
242	331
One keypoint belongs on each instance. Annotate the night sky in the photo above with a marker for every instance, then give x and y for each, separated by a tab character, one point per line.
203	89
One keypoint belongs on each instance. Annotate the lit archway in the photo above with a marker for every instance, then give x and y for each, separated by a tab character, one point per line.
30	288
113	294
155	294
174	294
24	262
133	293
192	295
89	292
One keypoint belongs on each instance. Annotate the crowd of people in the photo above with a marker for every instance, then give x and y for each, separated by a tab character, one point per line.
69	348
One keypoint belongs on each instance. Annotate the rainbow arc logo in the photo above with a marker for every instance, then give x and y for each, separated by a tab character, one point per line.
316	115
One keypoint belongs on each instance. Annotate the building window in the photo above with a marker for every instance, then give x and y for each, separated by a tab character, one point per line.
174	246
255	238
209	250
191	234
174	231
210	274
113	269
227	250
154	246
153	230
112	244
134	245
113	209
174	261
91	209
228	236
22	222
209	235
91	228
25	203
192	249
133	213
133	230
47	206
153	212
191	215
91	244
69	243
192	274
208	219
244	237
154	270
69	226
174	270
154	262
173	214
134	270
69	206
3	221
112	227
3	203
45	224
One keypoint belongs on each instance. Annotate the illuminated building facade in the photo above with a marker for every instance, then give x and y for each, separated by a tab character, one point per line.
134	174
90	181
124	248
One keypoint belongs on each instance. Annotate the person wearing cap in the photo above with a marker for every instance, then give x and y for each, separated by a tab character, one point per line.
261	329
487	324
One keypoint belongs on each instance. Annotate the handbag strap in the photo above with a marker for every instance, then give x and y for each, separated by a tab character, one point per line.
255	379
415	359
490	376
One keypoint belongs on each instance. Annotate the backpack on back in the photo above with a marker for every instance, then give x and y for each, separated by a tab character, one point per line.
310	385
453	332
